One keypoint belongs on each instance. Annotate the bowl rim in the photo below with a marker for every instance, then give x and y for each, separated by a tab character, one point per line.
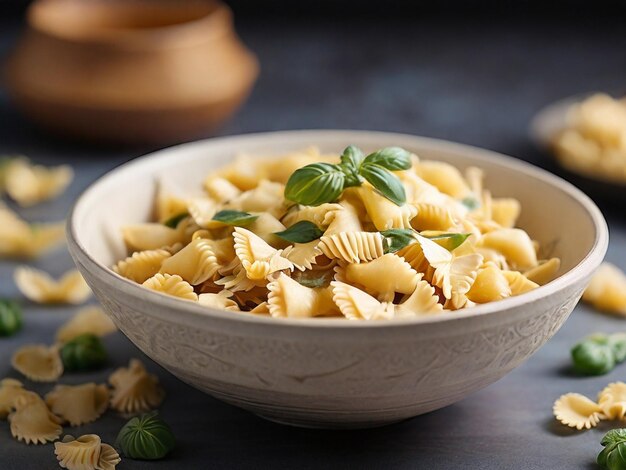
583	269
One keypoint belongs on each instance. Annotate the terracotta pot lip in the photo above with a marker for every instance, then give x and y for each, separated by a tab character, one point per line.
213	23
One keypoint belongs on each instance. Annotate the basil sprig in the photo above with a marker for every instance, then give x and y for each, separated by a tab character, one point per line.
173	221
613	456
598	354
236	218
83	353
318	183
449	241
397	238
301	232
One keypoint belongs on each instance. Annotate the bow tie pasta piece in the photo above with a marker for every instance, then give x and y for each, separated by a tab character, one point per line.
39	287
134	389
220	189
353	247
303	255
89	320
607	289
505	211
431	217
202	211
168	205
577	411
18	239
86	453
266	197
422	301
544	272
458	279
173	285
149	236
612	400
266	226
444	177
355	304
345	220
29	184
493	257
514	244
78	404
10	389
220	300
32	421
289	299
195	263
382	277
141	265
490	285
238	281
518	283
383	213
419	191
258	259
321	215
38	362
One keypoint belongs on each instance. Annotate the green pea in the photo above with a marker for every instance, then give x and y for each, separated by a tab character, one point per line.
146	437
83	353
10	317
593	358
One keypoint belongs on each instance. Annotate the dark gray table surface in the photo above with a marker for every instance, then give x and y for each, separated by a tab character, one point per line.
477	83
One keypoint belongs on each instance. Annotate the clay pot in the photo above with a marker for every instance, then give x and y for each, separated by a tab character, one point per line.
131	71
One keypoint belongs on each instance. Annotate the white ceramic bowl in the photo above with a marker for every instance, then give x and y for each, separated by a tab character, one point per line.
324	372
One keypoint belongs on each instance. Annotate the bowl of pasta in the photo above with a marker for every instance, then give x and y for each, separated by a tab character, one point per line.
340	279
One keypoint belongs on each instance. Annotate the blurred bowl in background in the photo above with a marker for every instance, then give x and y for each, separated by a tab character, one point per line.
134	72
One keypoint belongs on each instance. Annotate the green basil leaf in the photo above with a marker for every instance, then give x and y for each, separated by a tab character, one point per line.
617	343
10	317
591	357
471	203
391	158
83	353
449	241
613	456
314	278
352	157
236	218
301	232
315	184
385	183
146	437
173	221
397	238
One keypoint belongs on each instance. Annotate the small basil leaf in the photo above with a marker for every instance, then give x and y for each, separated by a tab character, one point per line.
613	456
592	358
83	353
146	437
315	184
449	241
391	158
301	232
352	157
173	221
617	343
385	183
397	238
236	218
314	278
471	203
10	318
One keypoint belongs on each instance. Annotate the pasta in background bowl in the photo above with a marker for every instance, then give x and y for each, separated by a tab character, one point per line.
323	372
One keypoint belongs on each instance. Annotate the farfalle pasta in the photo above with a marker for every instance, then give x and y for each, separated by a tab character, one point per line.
78	404
134	389
40	287
38	362
86	453
32	422
363	237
